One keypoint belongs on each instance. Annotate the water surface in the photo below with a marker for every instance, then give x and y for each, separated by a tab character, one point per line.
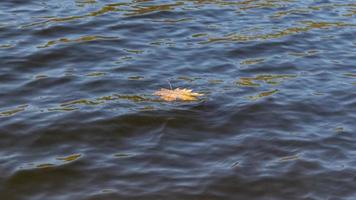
78	118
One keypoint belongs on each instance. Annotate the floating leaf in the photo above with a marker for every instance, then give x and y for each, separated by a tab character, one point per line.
177	94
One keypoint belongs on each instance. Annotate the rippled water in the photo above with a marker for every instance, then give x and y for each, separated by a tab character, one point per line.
78	118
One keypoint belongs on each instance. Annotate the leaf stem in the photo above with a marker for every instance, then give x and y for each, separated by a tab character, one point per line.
169	84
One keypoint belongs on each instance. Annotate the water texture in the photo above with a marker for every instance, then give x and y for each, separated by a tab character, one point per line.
78	118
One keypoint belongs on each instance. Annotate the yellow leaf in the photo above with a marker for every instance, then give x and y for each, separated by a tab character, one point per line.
177	94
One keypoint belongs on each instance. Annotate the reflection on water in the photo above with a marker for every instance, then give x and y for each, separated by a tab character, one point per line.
81	39
282	33
79	118
14	111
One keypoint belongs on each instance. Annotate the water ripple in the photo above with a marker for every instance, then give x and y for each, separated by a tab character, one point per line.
79	118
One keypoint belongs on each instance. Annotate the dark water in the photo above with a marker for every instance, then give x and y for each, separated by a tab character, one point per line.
78	118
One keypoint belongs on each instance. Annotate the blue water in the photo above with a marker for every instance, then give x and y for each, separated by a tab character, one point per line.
79	118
